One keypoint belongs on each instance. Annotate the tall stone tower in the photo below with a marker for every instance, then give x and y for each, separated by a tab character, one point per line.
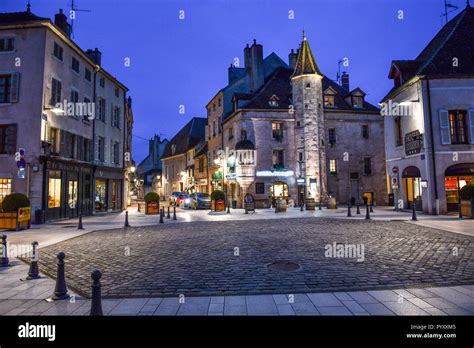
306	83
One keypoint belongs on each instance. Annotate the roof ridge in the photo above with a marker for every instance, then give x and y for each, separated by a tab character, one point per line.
436	51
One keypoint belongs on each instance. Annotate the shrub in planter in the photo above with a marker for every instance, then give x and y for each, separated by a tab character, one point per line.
152	197
152	203
467	201
215	196
12	202
467	192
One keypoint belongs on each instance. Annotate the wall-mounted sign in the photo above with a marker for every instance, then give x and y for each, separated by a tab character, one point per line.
395	170
231	176
300	180
273	173
413	142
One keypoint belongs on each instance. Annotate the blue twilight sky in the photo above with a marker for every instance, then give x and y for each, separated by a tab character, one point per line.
176	62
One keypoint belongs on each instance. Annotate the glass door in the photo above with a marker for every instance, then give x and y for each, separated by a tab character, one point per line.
72	198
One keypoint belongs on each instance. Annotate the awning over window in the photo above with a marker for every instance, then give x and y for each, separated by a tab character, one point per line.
411	172
460	169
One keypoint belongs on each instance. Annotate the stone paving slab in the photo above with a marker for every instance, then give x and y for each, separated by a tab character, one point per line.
198	258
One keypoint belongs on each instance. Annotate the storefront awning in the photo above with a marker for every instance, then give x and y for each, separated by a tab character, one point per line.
460	169
411	172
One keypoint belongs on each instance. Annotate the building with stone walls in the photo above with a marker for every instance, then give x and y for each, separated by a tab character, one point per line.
73	154
313	137
429	120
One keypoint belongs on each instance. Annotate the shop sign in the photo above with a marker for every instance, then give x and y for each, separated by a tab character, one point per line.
217	176
24	214
231	176
152	207
300	180
413	142
275	173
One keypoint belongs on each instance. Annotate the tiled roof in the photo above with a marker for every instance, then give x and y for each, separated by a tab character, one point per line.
19	17
188	137
436	60
279	84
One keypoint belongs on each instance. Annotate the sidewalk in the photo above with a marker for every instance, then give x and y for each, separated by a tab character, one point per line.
27	298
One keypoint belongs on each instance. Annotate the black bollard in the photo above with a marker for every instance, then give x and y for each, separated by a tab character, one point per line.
367	213
301	207
358	209
349	214
460	210
168	216
161	215
60	290
138	209
413	212
96	303
228	208
371	207
79	225
174	212
4	262
126	224
246	211
33	272
320	205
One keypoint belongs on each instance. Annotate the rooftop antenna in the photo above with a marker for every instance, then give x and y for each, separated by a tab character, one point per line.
338	76
448	8
72	15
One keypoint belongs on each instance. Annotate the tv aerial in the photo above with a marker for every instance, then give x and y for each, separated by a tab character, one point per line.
72	15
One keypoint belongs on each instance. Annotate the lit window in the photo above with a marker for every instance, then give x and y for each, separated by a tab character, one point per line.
5	188
329	101
54	189
332	166
458	126
277	131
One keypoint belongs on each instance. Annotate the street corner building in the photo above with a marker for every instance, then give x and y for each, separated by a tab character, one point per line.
312	137
429	120
68	118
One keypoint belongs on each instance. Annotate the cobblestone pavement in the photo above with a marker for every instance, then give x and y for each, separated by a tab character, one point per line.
198	259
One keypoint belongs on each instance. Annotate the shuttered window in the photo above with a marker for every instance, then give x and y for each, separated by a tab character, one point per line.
8	139
9	84
444	127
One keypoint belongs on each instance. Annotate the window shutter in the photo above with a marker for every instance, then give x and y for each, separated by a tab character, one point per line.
112	114
62	147
112	158
105	151
444	127
10	139
15	91
471	125
97	150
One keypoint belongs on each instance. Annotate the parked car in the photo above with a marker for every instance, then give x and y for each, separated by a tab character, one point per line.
174	196
183	200
200	200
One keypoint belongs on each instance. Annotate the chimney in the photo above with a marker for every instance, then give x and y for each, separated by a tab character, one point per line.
60	20
256	77
345	80
95	55
247	59
292	57
232	74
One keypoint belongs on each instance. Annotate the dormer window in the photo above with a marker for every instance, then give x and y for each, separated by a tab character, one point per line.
173	149
357	101
329	97
329	101
273	102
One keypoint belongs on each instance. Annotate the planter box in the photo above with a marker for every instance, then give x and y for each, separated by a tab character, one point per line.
152	208
218	205
17	220
467	208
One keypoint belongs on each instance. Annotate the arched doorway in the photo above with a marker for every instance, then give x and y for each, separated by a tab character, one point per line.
279	189
412	183
455	177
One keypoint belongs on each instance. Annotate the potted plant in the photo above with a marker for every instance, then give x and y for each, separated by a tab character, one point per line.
467	201
16	212
217	200
152	203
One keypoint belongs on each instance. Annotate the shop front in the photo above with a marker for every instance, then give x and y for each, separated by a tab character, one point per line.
411	177
108	190
456	177
67	188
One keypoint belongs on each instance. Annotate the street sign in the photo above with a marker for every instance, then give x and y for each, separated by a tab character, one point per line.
394	182
395	170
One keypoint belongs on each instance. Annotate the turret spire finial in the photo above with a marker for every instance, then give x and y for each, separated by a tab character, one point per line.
28	6
304	35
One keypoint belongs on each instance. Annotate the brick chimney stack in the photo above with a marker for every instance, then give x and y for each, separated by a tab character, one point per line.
292	57
345	80
60	20
95	55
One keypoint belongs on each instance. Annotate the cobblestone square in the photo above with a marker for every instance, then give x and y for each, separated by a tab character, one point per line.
199	258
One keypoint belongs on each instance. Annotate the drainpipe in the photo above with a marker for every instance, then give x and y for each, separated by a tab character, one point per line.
430	118
94	168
